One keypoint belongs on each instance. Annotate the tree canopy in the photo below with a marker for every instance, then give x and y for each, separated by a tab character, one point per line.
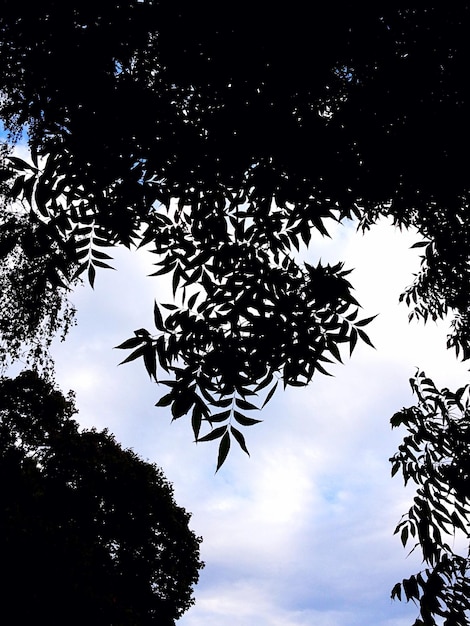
203	136
88	529
221	137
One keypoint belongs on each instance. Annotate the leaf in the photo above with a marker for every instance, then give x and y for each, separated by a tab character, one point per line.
224	448
97	254
19	164
366	321
223	402
192	300
457	522
164	270
333	348
396	419
395	468
410	587
264	383
244	405
91	275
103	265
321	369
404	535
134	355
81	268
196	420
176	279
365	338
81	254
182	403
80	232
161	353
157	316
133	342
244	420
240	439
396	592
352	340
220	417
165	400
214	434
270	395
142	332
150	361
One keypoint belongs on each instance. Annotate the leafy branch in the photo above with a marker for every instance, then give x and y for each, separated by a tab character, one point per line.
435	456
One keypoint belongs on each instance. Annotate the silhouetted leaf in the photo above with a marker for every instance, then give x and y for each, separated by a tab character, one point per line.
220	417
157	316
365	338
133	342
97	263
224	448
20	164
150	361
214	434
244	405
240	439
244	420
165	400
366	321
270	394
192	300
98	254
182	403
196	420
396	591
352	340
134	355
91	275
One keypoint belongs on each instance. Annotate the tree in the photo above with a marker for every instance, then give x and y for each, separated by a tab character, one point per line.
225	163
222	139
435	456
88	530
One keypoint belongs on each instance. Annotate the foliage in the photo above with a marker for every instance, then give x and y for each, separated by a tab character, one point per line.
128	148
435	455
33	300
222	136
224	164
87	528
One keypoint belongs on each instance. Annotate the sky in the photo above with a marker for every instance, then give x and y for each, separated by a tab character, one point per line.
301	532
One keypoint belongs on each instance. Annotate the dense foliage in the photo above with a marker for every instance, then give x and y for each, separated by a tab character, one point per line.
89	533
435	455
222	154
221	136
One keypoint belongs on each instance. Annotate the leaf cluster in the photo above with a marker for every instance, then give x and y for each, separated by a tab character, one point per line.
435	456
441	285
255	316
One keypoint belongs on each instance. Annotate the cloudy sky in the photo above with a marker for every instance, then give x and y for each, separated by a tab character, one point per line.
300	533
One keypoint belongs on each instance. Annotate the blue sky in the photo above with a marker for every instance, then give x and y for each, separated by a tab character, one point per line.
300	533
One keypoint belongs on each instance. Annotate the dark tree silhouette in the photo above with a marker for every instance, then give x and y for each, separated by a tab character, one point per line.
221	136
89	533
223	154
435	455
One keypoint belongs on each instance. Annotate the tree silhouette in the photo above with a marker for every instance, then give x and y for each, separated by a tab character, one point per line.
435	456
221	138
88	531
225	162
